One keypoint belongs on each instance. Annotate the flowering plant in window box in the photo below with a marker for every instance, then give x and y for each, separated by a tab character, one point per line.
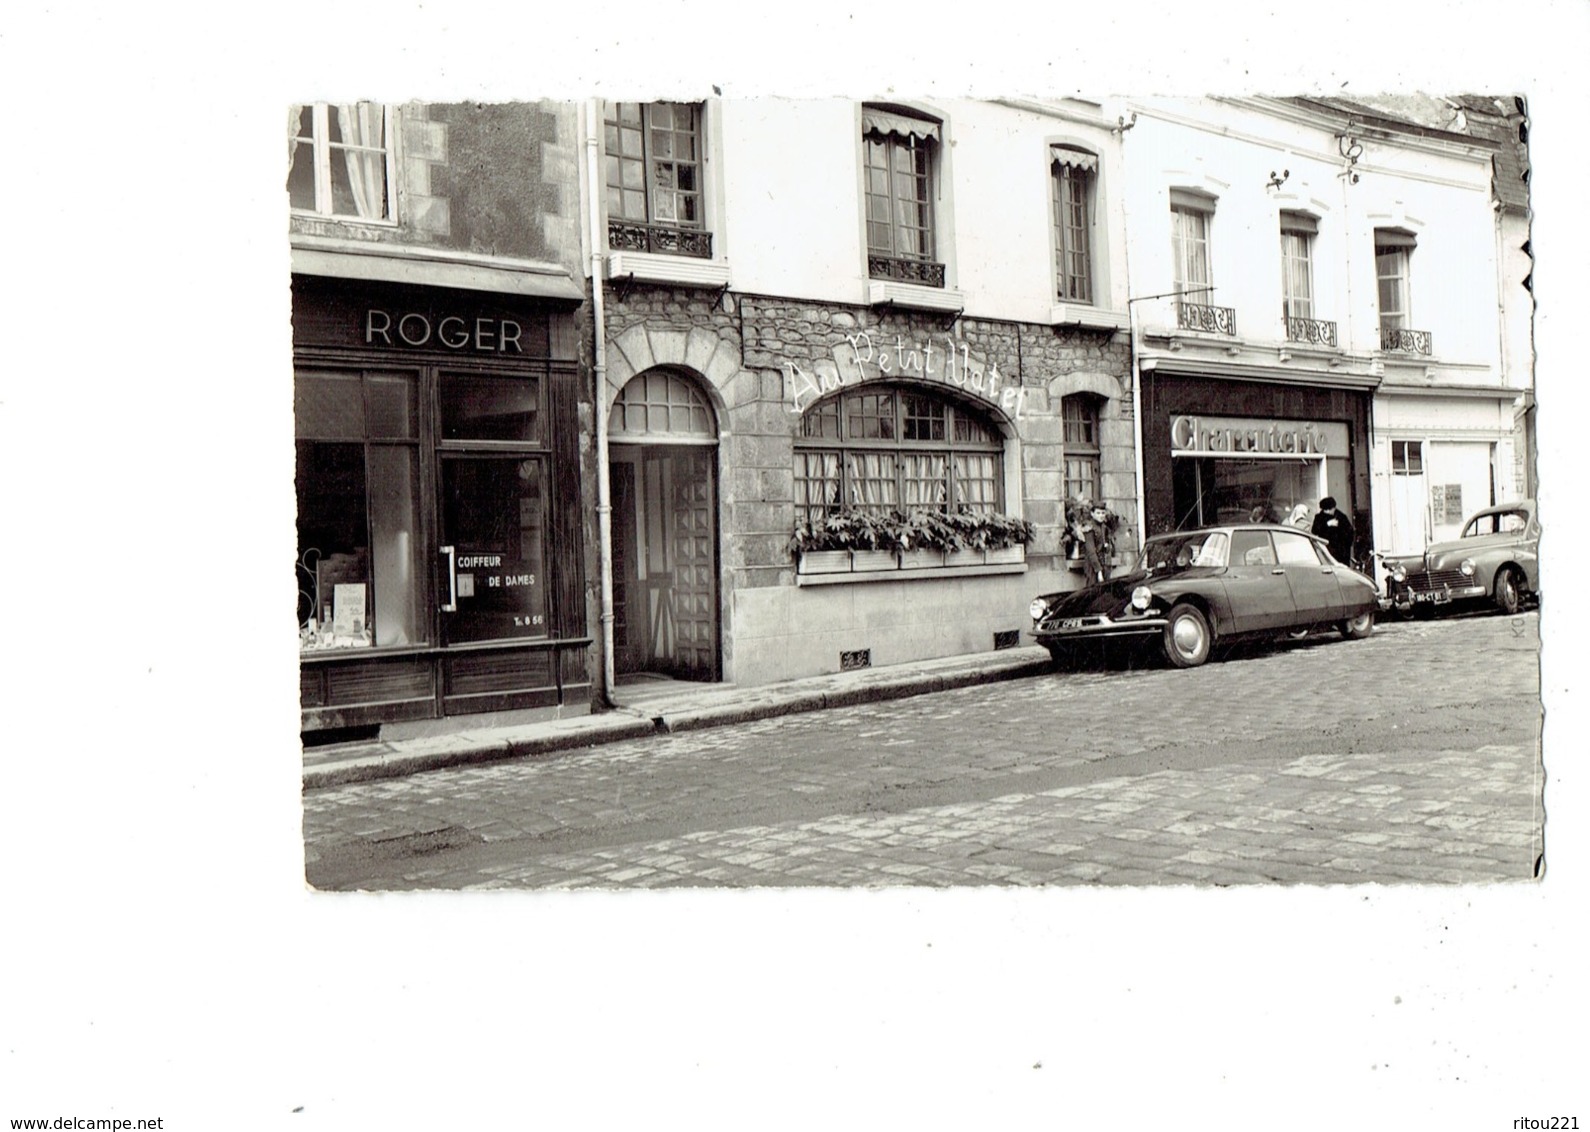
919	538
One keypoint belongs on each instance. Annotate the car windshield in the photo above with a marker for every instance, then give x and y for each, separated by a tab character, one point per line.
1496	523
1180	552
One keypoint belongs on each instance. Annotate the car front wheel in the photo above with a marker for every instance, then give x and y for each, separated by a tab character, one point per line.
1508	591
1357	628
1187	637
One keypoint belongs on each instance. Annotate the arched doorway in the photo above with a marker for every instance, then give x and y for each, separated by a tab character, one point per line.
662	467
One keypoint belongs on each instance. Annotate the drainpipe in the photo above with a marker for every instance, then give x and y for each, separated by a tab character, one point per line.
604	505
1135	344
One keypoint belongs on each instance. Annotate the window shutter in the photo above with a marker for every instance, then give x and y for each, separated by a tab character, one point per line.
874	121
1299	223
1075	158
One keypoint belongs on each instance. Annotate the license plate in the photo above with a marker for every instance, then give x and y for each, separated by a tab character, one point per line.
1441	597
1071	623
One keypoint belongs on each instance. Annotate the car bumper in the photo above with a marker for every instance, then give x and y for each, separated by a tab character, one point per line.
1061	629
1445	594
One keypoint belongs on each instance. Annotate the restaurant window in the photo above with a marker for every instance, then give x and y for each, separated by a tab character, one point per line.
900	155
339	160
1190	214
1074	173
1297	264
1407	457
654	162
359	567
1393	250
1079	418
895	449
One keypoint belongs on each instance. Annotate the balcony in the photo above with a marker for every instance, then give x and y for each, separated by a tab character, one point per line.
1311	331
1214	320
922	272
1398	341
658	239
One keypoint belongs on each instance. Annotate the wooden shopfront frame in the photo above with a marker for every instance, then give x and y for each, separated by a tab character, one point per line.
438	335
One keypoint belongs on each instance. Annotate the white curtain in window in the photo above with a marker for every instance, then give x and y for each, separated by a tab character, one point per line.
925	482
295	116
974	482
362	125
871	476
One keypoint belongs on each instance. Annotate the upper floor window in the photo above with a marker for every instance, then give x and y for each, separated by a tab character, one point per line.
1190	214
1074	172
339	160
654	157
1393	249
1297	264
1079	417
885	448
900	154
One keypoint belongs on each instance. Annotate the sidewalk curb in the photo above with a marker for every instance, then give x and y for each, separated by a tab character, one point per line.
473	748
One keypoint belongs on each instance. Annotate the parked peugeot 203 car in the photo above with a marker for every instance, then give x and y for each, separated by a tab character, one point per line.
1194	589
1495	558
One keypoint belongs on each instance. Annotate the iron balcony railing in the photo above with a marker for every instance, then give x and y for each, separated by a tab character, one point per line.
626	236
1405	341
921	271
1197	316
1311	331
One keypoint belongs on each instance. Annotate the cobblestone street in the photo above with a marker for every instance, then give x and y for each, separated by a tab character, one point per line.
1411	757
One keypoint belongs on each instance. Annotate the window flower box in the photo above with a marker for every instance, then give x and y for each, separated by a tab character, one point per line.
861	560
921	558
825	562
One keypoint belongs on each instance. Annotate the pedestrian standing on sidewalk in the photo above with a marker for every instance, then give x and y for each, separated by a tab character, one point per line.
1093	535
1334	527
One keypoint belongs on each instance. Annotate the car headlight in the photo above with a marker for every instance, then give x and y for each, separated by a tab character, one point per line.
1399	573
1038	608
1142	598
1467	567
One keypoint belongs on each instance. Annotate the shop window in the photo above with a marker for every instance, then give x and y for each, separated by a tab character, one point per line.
491	408
1393	250
891	449
1407	457
1074	173
1079	417
654	157
1191	214
339	160
1297	265
900	155
359	567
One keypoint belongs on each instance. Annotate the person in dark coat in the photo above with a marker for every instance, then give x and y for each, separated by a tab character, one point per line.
1335	528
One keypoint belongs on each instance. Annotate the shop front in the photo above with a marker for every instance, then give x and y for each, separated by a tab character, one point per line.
440	556
1221	450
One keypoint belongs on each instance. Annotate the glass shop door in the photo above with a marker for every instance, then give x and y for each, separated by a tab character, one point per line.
492	557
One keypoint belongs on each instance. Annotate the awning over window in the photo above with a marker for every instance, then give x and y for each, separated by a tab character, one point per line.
1194	199
1075	158
890	122
1395	238
1300	223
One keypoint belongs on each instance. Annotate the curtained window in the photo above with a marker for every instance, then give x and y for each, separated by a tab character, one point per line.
1393	248
899	152
1074	172
888	448
339	160
1190	214
1297	265
1079	422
